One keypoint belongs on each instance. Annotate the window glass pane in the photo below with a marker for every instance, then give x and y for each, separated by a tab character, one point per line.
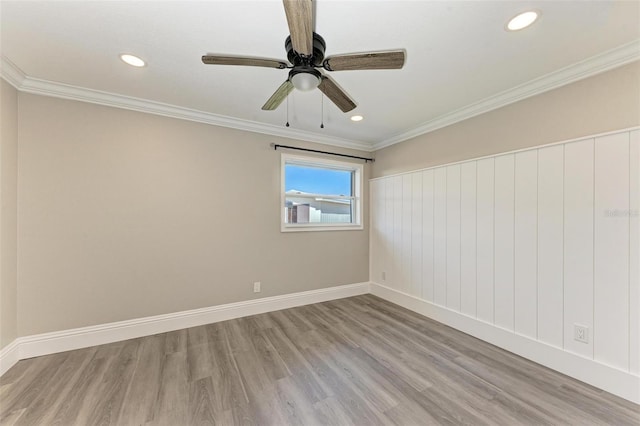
315	180
317	210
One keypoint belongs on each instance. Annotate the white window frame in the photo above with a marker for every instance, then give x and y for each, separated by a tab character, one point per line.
356	197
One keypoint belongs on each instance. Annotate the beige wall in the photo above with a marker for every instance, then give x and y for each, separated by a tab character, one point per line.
124	215
605	102
8	212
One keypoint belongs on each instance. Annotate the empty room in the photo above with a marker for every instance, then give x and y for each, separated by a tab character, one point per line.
319	212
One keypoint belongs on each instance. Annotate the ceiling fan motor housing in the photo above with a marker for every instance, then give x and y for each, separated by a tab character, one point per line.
305	66
316	57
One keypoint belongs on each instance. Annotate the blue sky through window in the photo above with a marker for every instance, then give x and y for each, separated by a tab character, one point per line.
317	181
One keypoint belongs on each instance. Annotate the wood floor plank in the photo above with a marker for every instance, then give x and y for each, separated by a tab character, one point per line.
202	409
108	400
351	399
58	388
197	336
175	341
68	410
141	395
355	361
200	362
298	408
331	413
229	389
16	372
173	393
30	386
298	367
11	418
365	381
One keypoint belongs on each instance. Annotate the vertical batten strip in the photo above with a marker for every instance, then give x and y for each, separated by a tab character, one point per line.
389	254
611	274
453	237
398	279
428	241
468	222
550	237
407	227
503	240
578	243
440	236
634	252
484	240
416	234
525	243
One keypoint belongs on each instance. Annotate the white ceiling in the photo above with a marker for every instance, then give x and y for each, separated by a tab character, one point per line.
458	55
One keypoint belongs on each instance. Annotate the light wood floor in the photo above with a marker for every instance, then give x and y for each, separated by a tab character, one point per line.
359	361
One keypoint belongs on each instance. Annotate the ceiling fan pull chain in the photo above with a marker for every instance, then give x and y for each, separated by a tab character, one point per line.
287	111
322	111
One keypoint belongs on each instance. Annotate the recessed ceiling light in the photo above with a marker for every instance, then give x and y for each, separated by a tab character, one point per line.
134	61
522	20
356	118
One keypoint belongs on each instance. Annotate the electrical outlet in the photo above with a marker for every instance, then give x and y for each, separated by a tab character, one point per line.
384	276
256	287
581	333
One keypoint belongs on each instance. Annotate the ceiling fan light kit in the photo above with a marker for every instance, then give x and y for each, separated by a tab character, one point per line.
305	52
305	80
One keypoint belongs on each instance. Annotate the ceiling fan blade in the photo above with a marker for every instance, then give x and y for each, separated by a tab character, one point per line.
300	19
393	59
276	99
336	94
240	60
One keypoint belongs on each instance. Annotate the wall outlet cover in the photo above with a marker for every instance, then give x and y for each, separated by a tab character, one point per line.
581	333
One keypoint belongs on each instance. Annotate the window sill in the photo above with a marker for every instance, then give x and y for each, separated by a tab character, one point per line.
313	228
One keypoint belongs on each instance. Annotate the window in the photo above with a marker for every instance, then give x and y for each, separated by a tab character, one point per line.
320	195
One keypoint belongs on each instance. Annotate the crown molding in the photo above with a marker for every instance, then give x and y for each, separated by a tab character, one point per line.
11	73
24	83
606	61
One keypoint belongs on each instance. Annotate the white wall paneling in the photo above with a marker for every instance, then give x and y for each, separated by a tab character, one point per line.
376	243
416	234
387	250
526	244
578	244
550	244
531	243
484	239
611	256
504	239
428	253
453	237
396	260
440	236
407	281
468	238
634	252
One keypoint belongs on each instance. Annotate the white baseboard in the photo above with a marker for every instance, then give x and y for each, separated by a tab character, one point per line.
77	338
8	356
610	379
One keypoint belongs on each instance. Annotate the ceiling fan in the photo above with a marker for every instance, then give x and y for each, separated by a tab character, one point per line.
305	50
